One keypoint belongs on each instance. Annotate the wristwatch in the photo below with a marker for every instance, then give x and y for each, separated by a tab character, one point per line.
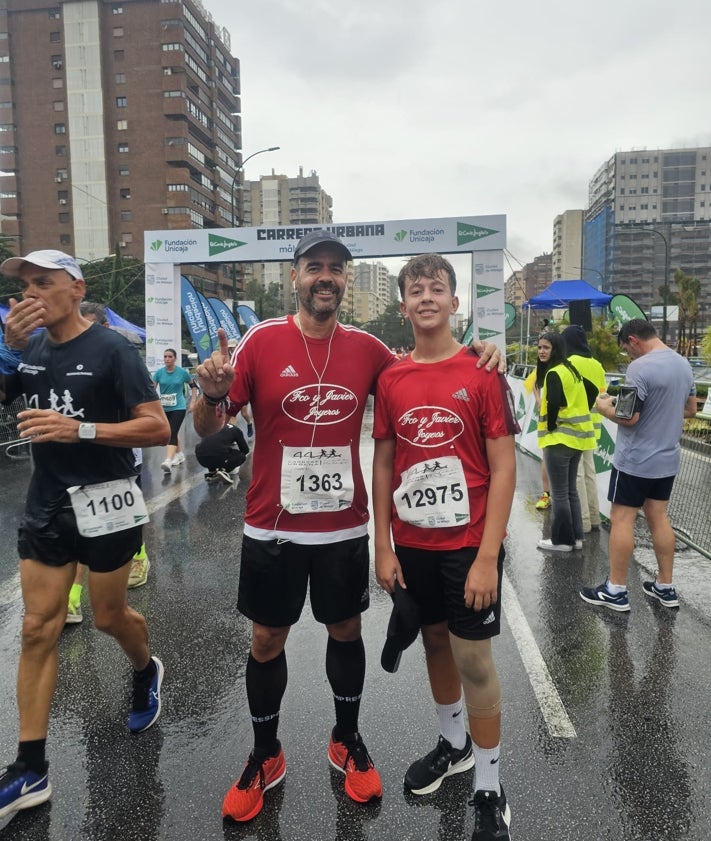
87	431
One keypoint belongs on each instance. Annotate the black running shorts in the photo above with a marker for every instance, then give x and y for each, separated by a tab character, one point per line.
274	576
436	581
632	491
59	543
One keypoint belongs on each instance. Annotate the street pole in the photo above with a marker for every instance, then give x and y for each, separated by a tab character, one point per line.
238	170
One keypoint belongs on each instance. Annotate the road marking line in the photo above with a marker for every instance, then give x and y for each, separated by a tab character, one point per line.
549	701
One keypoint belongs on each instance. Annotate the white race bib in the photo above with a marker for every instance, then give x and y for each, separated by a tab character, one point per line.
108	507
169	400
315	479
433	494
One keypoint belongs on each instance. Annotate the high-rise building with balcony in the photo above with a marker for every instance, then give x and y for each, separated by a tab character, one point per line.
567	254
116	117
649	213
281	200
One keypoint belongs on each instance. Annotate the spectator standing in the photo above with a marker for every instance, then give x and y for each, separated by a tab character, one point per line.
646	461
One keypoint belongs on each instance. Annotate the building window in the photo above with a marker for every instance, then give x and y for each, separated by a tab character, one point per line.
54	14
171	47
60	128
60	151
117	10
117	31
121	125
123	148
55	37
123	171
120	78
121	101
58	105
125	192
58	83
63	217
65	239
118	55
57	62
125	215
4	59
62	196
62	175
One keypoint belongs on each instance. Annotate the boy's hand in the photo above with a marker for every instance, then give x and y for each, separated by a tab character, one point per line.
388	569
481	586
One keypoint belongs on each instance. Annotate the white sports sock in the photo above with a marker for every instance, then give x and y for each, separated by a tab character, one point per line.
452	724
487	768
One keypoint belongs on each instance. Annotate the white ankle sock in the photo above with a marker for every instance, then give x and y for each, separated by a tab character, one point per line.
452	724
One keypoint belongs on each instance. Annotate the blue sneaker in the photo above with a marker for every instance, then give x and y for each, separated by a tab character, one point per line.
21	788
146	701
664	595
601	595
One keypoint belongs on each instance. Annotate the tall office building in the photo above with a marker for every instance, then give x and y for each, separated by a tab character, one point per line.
649	213
372	290
116	117
567	254
281	200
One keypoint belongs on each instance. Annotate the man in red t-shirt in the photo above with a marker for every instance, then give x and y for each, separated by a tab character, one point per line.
444	473
307	378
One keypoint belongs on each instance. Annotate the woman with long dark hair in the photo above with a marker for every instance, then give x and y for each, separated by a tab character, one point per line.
565	430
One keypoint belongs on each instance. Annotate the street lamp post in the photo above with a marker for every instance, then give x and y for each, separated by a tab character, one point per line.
589	269
232	196
665	300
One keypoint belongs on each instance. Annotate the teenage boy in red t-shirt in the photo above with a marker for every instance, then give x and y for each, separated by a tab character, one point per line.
444	474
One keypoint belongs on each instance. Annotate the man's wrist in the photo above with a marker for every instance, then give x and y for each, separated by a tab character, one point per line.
9	358
215	401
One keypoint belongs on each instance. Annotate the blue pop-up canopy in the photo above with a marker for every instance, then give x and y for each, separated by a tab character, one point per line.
560	293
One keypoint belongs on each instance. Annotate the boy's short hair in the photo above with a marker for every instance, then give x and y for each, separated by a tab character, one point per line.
426	265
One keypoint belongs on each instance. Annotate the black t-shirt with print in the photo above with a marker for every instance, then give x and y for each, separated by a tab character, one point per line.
97	377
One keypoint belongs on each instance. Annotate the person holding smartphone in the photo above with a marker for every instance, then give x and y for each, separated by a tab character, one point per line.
646	460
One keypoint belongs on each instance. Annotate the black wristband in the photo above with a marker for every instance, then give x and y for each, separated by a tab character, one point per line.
214	401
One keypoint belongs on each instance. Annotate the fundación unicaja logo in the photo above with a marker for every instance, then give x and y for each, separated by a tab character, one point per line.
470	233
218	245
400	236
156	244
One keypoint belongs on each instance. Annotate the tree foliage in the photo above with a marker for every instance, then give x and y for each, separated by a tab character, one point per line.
391	327
267	302
687	298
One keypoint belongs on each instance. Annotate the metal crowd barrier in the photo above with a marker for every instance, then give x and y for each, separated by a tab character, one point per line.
10	441
690	503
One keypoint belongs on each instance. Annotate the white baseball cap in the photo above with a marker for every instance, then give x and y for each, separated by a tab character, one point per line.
48	259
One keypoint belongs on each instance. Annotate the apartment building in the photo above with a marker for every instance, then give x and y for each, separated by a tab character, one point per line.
281	200
649	213
116	117
567	254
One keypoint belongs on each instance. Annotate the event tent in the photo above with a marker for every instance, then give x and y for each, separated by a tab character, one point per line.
115	321
560	293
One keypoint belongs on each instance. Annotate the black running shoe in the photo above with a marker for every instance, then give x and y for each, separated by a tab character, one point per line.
492	816
425	775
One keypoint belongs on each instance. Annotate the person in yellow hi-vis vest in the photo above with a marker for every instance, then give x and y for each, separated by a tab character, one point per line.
565	431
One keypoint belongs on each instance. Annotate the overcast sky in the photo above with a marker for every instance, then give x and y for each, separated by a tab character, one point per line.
428	108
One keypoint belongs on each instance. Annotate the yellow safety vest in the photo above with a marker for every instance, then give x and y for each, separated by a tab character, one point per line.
575	426
592	370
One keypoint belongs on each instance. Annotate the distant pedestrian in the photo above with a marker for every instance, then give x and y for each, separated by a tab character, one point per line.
646	461
171	380
222	453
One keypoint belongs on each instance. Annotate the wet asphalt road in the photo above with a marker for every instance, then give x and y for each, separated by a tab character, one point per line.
606	732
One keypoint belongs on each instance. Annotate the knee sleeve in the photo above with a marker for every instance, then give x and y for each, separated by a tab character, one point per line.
475	662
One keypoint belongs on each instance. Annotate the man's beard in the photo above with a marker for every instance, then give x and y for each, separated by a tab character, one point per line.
307	299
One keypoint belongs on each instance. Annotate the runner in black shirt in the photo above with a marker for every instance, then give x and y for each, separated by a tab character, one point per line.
90	400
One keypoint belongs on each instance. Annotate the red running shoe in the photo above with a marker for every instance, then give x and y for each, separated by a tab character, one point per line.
246	797
352	759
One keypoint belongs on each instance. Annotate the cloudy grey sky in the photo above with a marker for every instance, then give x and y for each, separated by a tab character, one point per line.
420	108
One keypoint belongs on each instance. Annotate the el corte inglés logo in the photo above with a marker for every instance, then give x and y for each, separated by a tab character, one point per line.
470	233
218	245
482	291
485	333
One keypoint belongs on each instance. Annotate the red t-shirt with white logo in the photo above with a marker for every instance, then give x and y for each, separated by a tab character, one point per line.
440	413
308	397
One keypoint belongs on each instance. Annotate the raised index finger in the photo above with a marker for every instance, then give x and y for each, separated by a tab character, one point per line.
222	341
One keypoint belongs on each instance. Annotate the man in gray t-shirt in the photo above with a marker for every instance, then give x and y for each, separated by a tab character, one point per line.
647	457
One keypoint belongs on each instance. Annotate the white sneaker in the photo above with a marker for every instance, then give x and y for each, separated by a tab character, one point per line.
578	544
166	466
225	476
549	546
178	458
